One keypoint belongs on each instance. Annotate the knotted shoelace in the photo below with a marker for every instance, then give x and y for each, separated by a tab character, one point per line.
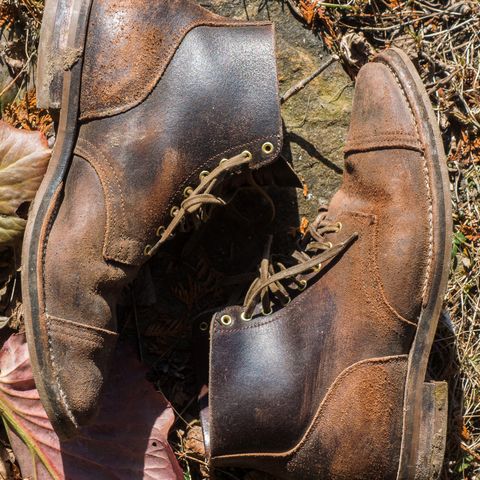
273	274
198	198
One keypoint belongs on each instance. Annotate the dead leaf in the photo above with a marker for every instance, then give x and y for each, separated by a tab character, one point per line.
24	158
194	443
128	440
304	225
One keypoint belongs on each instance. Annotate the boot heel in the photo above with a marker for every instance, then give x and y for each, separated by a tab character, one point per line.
433	431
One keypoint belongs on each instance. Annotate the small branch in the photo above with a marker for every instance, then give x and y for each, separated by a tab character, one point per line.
299	86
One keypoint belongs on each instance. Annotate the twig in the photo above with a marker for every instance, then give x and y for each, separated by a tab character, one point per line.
19	74
299	86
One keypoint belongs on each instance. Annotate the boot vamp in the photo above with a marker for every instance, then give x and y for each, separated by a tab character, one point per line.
80	292
386	175
390	185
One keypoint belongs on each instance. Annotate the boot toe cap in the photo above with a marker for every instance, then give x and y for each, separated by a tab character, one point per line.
80	358
382	116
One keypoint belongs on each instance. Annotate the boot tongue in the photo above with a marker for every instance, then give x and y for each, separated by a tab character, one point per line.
381	116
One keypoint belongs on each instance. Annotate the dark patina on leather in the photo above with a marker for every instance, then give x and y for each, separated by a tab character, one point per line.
318	385
168	94
130	44
217	97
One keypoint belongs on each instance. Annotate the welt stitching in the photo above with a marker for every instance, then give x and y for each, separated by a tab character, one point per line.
63	397
165	58
428	186
396	133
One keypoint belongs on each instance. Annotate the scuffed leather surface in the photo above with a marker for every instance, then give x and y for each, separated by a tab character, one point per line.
129	45
381	116
217	98
80	292
269	376
79	358
354	434
392	183
360	417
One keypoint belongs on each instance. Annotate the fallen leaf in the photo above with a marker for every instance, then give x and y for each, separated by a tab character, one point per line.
194	443
127	442
24	158
305	190
304	225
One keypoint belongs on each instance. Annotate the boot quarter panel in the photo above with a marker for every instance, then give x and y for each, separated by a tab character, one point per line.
301	349
219	77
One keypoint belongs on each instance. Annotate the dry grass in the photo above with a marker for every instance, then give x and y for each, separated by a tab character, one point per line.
442	37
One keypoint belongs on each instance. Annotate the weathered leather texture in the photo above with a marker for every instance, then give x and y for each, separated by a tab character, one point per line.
270	375
129	45
287	361
365	398
80	291
168	121
217	98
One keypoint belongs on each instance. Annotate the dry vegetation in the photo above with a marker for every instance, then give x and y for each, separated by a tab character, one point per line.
442	37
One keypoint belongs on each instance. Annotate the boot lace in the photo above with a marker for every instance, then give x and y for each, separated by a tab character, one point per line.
273	274
198	198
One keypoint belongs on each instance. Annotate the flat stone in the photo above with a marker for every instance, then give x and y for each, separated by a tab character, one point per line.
316	118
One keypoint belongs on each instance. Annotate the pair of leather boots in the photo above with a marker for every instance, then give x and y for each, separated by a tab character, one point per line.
159	107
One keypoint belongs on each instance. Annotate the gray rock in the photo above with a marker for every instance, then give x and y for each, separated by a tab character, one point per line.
316	118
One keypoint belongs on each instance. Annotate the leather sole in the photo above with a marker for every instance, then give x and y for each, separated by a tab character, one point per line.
432	431
412	448
74	35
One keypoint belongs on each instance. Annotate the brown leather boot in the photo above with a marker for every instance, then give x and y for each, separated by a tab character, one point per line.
333	384
159	103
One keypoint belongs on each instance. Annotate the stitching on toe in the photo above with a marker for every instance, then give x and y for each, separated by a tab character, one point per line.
427	184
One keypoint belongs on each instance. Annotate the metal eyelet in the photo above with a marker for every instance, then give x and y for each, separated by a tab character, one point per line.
302	286
329	245
187	192
265	314
267	148
204	326
245	318
223	160
174	211
247	154
160	231
226	320
339	226
147	250
287	301
204	174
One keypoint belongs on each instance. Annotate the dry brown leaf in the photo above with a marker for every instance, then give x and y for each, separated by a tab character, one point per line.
128	441
24	158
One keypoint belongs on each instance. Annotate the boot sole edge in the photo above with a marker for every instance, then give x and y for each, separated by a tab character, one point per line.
61	418
402	66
